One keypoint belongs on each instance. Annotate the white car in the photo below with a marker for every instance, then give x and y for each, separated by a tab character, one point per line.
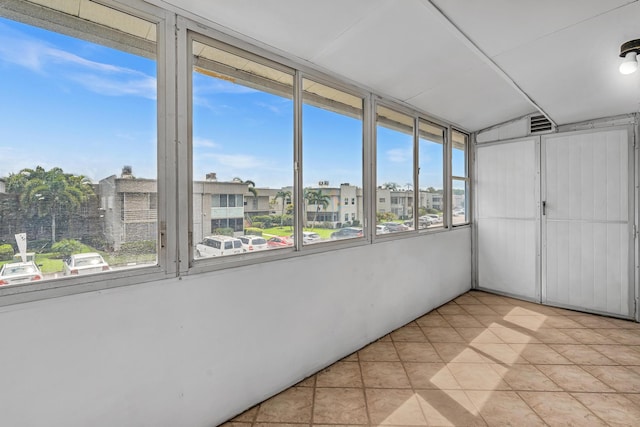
309	237
435	219
15	273
218	245
382	229
87	263
253	243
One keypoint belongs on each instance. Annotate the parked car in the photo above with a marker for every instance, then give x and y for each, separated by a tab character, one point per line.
347	233
435	219
458	212
382	229
218	245
87	263
309	237
253	243
279	242
425	221
15	273
409	224
395	227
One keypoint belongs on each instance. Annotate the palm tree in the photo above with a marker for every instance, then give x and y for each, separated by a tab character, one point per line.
49	192
284	195
315	197
251	186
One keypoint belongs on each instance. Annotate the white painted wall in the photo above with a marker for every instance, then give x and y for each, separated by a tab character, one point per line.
196	351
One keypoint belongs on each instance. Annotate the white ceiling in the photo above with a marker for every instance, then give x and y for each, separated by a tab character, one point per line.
474	63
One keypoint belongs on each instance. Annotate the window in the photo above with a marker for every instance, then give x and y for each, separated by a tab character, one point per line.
394	168
459	178
332	129
431	138
242	141
80	128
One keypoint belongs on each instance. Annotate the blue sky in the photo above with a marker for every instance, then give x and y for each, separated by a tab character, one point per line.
91	110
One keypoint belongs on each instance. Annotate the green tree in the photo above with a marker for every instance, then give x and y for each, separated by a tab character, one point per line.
251	186
431	190
49	193
316	197
284	195
391	186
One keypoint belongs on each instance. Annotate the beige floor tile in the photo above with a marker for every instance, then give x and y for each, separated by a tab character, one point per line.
504	408
339	405
462	321
458	353
525	378
353	357
379	351
523	309
489	320
531	323
498	353
291	406
281	424
623	336
450	308
430	376
447	334
432	320
477	376
478	335
307	382
408	333
514	335
479	309
561	322
618	377
236	424
490	299
593	321
582	354
341	374
635	398
560	409
448	408
614	409
553	336
574	378
502	309
417	352
540	354
467	299
247	416
588	336
384	375
394	407
624	355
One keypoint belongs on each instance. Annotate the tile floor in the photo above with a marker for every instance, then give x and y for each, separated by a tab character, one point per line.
479	360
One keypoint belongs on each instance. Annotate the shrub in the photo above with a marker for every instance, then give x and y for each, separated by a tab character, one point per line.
355	223
66	247
253	231
39	246
224	231
139	247
326	224
266	220
6	252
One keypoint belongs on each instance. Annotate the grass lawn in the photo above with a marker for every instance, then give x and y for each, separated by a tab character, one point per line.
325	233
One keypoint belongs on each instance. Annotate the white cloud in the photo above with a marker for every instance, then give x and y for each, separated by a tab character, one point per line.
204	143
398	155
43	58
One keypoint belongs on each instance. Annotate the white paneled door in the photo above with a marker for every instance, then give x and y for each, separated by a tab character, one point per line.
507	217
587	221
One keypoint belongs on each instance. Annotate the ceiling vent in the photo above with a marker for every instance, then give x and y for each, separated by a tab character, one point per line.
539	124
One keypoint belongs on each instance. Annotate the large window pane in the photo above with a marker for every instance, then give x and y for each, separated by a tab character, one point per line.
431	162
460	178
332	163
79	143
242	153
394	152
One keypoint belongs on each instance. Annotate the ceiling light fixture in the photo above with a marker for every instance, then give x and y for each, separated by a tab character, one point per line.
629	51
